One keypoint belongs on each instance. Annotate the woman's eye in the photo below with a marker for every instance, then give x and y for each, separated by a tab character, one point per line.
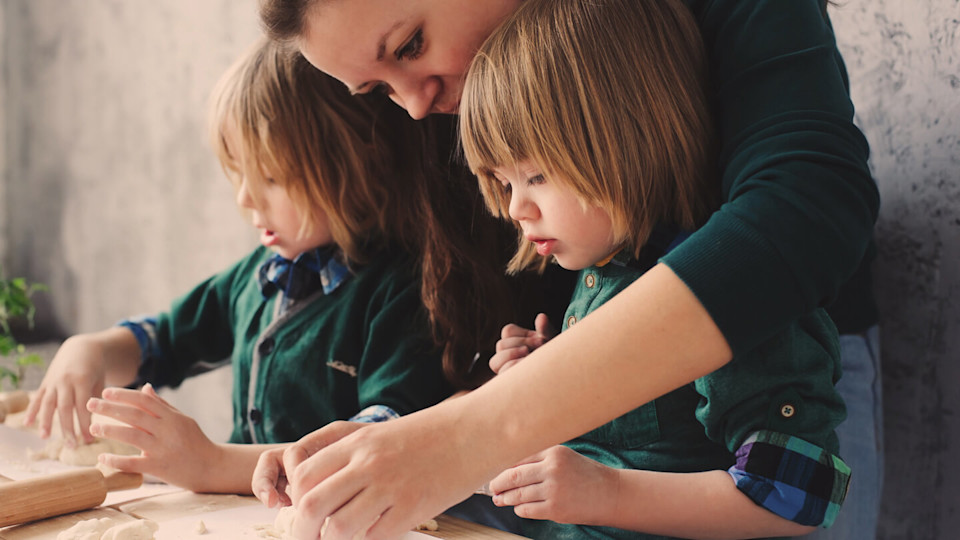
381	88
411	49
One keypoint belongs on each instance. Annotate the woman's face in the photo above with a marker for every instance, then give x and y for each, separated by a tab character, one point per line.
415	51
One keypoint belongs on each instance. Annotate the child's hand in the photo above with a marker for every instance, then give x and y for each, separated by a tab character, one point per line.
516	342
560	485
77	373
173	448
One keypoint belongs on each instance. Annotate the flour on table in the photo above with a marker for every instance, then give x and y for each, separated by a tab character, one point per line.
110	529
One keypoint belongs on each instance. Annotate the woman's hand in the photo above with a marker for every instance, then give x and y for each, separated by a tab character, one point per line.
560	485
173	447
77	373
517	342
270	481
359	476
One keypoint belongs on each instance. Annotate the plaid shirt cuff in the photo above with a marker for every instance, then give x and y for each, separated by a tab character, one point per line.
792	478
145	330
375	413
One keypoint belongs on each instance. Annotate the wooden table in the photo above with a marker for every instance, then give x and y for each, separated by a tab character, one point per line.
178	512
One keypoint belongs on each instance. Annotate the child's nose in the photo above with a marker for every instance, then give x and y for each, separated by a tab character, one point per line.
243	196
521	208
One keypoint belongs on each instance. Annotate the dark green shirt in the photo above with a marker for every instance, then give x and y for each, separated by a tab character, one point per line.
784	385
325	358
800	202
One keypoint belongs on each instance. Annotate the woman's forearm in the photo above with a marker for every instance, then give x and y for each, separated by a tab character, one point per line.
650	339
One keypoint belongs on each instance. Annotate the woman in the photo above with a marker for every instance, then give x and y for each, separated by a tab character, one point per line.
795	233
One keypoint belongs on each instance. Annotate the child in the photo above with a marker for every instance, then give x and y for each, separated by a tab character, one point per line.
322	322
606	186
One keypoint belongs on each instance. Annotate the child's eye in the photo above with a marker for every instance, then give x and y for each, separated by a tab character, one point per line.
534	180
412	49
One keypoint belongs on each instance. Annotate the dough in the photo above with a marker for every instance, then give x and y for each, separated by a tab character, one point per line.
141	529
84	455
110	529
91	529
283	524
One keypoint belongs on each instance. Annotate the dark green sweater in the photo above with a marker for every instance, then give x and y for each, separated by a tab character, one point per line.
800	202
325	358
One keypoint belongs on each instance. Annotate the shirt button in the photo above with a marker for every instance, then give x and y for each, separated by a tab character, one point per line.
265	347
571	321
787	410
590	281
255	416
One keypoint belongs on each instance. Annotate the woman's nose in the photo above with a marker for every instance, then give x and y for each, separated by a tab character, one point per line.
418	95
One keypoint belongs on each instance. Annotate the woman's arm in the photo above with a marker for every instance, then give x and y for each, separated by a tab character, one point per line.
417	466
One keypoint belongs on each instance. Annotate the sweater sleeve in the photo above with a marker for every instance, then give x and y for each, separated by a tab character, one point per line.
199	327
800	203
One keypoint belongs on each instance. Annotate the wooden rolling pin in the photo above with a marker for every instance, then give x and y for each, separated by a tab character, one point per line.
13	402
61	493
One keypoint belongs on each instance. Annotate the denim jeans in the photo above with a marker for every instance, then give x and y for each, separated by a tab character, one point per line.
861	438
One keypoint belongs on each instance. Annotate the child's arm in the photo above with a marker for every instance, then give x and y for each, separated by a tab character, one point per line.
561	485
173	448
517	342
82	367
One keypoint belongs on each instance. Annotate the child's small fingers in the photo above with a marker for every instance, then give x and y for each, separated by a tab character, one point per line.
532	510
125	434
65	406
513	330
30	416
543	327
526	474
83	420
506	356
47	409
520	495
505	366
130	464
130	415
135	398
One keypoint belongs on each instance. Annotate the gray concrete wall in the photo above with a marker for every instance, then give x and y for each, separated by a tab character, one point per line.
904	62
110	195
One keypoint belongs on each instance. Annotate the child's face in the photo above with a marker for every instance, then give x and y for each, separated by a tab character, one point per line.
414	51
275	214
554	217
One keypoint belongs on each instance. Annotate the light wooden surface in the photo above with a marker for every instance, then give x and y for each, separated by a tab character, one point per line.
177	511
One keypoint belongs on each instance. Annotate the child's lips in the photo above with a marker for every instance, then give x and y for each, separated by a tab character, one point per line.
268	237
544	245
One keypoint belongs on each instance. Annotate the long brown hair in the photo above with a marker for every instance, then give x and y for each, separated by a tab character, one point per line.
609	95
380	177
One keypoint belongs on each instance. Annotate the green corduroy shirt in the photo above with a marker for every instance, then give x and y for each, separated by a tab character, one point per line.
324	359
785	385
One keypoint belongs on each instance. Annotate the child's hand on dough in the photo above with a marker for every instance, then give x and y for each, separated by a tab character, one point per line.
173	447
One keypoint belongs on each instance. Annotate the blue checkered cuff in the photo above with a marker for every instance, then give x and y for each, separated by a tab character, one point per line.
375	413
792	478
145	330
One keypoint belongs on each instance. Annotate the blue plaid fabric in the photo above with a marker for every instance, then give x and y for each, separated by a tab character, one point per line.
792	478
302	276
375	413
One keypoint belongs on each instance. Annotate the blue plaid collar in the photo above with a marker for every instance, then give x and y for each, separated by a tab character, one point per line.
301	277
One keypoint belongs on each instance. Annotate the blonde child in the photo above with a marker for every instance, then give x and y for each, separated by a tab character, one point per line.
606	186
322	322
